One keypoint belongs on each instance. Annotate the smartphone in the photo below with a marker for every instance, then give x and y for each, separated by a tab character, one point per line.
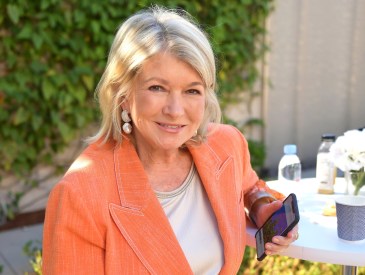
279	223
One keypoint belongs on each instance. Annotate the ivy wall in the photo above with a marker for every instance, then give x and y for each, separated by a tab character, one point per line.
53	53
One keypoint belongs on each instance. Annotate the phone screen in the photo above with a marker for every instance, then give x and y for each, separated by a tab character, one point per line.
280	223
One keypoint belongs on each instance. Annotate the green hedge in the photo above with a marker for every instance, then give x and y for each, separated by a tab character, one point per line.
53	53
271	265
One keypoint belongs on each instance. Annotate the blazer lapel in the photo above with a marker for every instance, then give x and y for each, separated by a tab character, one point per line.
217	175
141	219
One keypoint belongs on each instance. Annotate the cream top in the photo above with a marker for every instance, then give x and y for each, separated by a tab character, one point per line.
193	221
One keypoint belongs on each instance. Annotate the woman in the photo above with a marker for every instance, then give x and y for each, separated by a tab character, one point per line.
161	188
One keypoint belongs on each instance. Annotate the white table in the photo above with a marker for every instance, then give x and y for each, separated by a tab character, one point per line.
318	240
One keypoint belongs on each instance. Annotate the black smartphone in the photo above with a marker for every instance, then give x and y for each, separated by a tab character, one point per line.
279	223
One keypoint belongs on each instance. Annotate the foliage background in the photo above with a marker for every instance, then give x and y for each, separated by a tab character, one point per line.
54	51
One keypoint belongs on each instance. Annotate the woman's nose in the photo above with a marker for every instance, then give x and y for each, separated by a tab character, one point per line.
174	106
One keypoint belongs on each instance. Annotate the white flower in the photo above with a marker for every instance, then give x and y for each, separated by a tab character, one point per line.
348	151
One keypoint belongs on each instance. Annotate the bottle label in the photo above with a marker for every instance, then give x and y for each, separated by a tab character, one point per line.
325	172
290	172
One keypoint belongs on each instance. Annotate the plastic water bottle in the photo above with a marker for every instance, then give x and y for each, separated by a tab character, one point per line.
290	168
325	169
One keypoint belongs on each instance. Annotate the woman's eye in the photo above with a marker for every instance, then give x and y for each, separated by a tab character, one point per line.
155	88
194	92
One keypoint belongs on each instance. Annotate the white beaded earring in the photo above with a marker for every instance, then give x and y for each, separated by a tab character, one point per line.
127	127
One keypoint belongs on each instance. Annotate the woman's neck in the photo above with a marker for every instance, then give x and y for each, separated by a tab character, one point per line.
166	171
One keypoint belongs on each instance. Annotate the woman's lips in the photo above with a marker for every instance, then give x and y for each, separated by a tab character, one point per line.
171	127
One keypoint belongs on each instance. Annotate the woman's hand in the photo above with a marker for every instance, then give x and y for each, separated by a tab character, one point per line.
279	243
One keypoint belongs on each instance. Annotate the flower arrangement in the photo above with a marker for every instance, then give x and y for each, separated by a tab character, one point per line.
348	153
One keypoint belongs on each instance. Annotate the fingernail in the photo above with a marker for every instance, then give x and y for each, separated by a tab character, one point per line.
275	240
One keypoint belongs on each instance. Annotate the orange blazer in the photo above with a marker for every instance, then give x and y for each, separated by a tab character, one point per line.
104	218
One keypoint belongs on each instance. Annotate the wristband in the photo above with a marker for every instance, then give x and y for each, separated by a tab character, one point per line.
261	200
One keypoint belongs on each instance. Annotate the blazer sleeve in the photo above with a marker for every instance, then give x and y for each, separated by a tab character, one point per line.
71	243
253	188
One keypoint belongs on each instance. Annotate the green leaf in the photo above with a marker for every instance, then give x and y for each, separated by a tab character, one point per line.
13	13
37	41
80	18
30	153
80	95
65	131
21	116
26	32
59	80
254	121
48	89
38	67
95	27
45	4
80	121
55	118
88	81
3	114
36	122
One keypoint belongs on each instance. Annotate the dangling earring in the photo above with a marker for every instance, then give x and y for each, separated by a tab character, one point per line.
127	127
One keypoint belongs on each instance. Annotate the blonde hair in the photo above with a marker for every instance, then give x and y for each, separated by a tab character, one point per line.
141	36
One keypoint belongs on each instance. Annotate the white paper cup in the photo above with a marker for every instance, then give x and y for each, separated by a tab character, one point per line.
350	212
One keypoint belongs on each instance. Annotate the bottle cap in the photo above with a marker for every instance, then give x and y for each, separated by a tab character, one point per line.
290	149
328	137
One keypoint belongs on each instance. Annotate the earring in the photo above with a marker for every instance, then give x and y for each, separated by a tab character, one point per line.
127	127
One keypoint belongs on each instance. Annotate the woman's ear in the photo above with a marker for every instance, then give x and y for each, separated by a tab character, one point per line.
125	105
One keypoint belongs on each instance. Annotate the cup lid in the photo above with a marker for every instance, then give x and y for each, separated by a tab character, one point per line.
351	200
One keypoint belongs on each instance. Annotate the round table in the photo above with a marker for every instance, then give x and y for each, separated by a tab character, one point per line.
318	240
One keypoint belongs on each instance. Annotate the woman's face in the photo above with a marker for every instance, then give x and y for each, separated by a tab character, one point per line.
167	103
